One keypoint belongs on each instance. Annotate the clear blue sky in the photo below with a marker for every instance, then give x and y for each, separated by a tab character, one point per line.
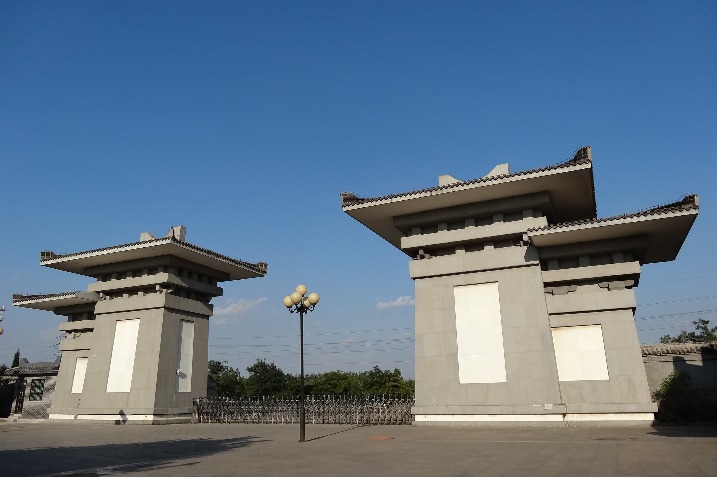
244	121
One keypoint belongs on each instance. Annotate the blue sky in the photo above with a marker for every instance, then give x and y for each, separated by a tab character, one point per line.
244	121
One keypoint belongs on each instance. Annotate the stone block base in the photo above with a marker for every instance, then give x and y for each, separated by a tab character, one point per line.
542	420
122	419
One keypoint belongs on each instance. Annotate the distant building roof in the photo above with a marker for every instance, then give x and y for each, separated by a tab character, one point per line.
678	349
35	368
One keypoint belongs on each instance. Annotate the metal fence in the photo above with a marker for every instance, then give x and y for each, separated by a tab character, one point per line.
344	410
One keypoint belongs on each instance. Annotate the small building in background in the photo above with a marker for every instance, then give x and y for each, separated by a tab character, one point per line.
28	389
137	338
524	299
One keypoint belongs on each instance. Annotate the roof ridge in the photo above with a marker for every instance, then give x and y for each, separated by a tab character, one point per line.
581	156
23	297
259	267
688	202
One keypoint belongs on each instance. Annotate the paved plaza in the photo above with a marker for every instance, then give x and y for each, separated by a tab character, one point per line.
33	449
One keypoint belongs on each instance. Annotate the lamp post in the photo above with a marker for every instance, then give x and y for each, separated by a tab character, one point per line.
297	302
2	309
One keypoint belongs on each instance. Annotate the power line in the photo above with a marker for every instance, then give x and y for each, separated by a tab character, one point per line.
676	314
346	351
678	300
315	344
319	334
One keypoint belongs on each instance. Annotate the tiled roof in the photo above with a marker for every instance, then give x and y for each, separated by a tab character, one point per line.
686	203
582	156
257	268
23	298
678	349
36	368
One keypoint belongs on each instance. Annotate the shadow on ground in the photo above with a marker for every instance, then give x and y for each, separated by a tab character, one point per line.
115	458
699	429
337	432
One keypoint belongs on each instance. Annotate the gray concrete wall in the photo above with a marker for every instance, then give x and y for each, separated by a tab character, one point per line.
154	379
530	362
626	391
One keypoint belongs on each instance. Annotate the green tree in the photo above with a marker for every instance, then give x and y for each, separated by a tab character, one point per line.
379	382
703	333
334	383
16	359
266	379
229	381
678	401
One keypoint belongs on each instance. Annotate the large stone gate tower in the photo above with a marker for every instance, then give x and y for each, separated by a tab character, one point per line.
524	298
136	346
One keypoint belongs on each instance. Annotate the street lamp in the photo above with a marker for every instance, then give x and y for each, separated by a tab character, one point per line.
297	302
2	309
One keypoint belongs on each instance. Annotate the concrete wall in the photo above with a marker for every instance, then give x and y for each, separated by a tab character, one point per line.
531	385
586	302
701	366
152	394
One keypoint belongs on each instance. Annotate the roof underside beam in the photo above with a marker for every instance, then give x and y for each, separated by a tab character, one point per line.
536	201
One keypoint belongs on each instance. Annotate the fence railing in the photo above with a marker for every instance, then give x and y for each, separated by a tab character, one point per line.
336	409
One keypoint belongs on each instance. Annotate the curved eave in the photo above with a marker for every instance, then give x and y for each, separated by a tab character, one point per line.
570	188
665	232
50	302
81	262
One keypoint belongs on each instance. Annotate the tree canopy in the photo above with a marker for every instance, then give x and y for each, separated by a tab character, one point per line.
703	333
266	379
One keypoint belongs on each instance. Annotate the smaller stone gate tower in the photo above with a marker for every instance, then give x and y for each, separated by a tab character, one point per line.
136	345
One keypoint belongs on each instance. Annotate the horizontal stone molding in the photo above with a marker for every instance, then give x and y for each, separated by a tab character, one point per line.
503	258
83	342
77	325
495	231
135	411
153	279
537	201
590	301
598	317
139	419
440	419
541	420
621	245
470	410
603	408
623	269
153	301
612	418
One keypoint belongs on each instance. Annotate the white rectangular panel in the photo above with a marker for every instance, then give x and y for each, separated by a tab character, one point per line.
481	356
184	358
580	353
78	381
123	352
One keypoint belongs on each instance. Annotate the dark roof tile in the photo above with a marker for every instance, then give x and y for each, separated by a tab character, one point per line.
686	203
678	349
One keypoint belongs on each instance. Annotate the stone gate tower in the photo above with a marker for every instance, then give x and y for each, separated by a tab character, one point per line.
136	345
524	298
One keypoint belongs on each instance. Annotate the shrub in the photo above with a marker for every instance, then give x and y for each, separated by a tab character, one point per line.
679	402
